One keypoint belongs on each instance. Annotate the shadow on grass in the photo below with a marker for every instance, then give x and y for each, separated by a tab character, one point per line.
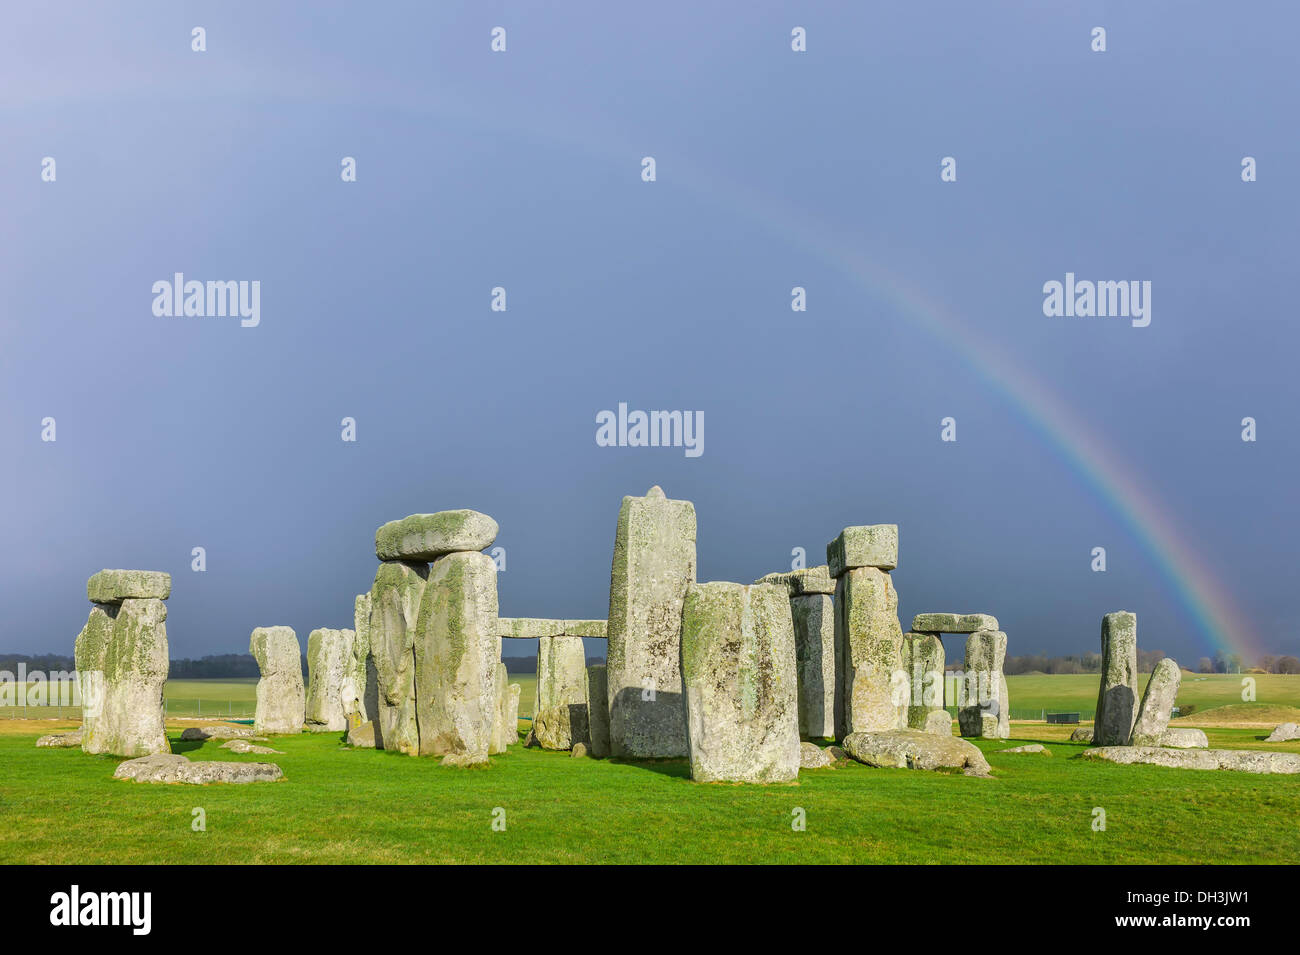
677	768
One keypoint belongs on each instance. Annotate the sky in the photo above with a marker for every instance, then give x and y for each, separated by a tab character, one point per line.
774	169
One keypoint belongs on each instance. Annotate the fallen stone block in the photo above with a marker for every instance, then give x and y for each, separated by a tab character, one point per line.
172	768
60	740
1030	748
221	731
362	736
1284	732
1241	760
244	746
812	756
1184	738
913	749
1082	735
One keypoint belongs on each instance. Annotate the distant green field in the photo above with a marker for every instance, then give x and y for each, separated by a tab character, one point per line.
1071	692
337	804
1031	695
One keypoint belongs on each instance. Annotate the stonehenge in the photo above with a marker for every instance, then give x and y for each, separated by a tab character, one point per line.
394	607
1243	760
122	662
868	636
171	768
654	563
913	749
923	666
738	668
1117	695
597	711
560	712
281	697
813	613
329	667
986	708
1157	703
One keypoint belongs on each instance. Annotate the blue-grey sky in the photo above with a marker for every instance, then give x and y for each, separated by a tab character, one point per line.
775	169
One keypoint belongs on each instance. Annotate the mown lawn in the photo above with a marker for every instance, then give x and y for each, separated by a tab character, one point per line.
1064	692
342	805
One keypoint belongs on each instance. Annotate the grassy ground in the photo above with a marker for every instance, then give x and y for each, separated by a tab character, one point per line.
1067	692
342	805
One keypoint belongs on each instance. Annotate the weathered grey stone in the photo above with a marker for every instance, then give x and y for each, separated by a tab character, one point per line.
592	629
329	666
530	739
169	768
244	746
501	731
514	690
813	615
938	722
560	715
913	749
870	545
953	622
812	756
1183	738
457	652
466	761
1157	703
219	731
1117	701
281	698
597	711
360	690
394	607
1284	732
60	740
837	753
1082	735
742	698
923	663
1029	748
128	720
426	537
88	654
1242	760
114	586
802	582
579	749
529	628
868	645
362	736
985	707
654	562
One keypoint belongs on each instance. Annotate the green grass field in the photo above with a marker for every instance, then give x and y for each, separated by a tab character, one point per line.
341	805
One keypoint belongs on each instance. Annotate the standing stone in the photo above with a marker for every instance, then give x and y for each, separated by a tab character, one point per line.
281	699
868	645
88	654
129	721
512	712
360	691
598	710
329	664
394	607
1117	700
923	664
501	731
654	562
742	698
985	711
457	653
560	716
1157	703
813	613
